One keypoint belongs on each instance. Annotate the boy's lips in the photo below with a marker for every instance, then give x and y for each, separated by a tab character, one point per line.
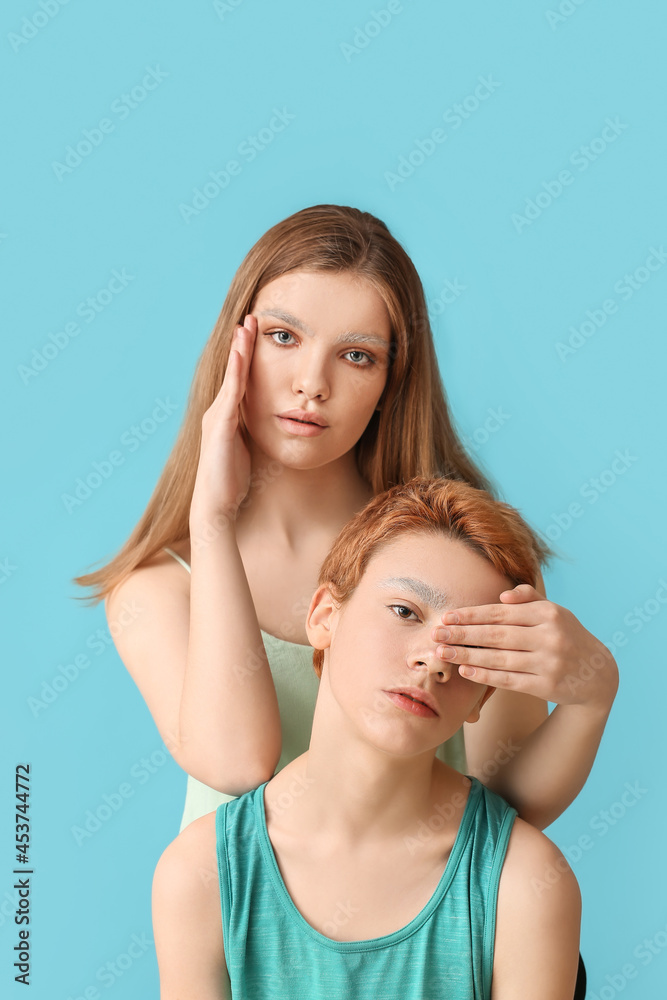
418	695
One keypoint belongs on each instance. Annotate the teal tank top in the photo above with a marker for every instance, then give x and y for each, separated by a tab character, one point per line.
273	953
296	684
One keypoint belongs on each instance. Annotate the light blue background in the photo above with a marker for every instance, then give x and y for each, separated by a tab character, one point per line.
354	117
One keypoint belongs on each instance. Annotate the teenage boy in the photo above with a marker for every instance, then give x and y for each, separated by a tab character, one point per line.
367	867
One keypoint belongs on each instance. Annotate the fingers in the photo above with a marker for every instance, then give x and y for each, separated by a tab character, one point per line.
244	344
523	592
520	661
531	613
235	379
510	680
496	636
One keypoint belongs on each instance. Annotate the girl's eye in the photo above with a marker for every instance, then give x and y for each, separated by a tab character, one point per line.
360	354
275	333
402	607
369	359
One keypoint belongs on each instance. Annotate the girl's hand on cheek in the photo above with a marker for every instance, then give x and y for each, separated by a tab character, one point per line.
531	645
223	473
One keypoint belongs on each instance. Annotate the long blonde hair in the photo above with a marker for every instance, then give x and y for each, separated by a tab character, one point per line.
412	434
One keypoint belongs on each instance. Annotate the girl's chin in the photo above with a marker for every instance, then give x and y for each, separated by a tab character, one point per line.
299	452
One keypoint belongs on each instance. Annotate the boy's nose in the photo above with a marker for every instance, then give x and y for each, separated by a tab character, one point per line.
429	661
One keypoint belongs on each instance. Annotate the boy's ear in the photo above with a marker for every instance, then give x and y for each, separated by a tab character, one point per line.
318	619
474	714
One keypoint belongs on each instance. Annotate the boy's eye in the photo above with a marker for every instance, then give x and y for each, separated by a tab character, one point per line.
401	607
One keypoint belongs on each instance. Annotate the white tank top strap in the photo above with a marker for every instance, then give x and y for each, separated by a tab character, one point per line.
178	558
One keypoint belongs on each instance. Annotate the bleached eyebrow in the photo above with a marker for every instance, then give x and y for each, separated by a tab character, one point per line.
435	599
349	337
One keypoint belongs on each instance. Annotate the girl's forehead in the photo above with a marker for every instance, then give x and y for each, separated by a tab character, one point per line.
306	288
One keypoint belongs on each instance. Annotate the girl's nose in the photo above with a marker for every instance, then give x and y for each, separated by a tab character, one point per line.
310	378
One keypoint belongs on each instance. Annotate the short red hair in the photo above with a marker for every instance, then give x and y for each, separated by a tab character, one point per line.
493	528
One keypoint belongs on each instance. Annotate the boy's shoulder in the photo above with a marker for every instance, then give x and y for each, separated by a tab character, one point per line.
187	872
538	915
187	919
531	854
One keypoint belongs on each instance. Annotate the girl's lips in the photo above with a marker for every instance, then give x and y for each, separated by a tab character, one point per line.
416	707
298	427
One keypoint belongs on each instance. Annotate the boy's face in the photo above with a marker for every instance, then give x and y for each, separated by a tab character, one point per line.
381	640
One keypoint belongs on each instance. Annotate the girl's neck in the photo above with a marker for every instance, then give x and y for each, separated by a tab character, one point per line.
291	504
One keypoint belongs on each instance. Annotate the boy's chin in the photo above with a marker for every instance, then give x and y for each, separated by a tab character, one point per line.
402	746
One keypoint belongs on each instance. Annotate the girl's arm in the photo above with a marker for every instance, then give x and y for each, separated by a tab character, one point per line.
539	769
198	657
533	652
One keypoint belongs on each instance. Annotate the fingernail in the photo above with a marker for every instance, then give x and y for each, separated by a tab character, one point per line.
467	671
452	618
447	653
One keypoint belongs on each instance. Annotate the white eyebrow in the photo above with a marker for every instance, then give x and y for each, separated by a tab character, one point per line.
349	337
435	599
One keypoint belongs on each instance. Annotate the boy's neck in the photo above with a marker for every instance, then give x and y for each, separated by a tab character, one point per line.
365	801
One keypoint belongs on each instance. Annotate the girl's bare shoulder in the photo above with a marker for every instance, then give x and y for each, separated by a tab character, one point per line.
159	575
148	615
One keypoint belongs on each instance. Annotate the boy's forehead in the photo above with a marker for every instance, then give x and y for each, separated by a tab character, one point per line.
437	569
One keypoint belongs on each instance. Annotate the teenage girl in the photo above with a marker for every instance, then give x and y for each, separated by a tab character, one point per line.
319	388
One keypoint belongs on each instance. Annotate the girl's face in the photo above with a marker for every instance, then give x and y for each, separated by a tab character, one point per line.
322	346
